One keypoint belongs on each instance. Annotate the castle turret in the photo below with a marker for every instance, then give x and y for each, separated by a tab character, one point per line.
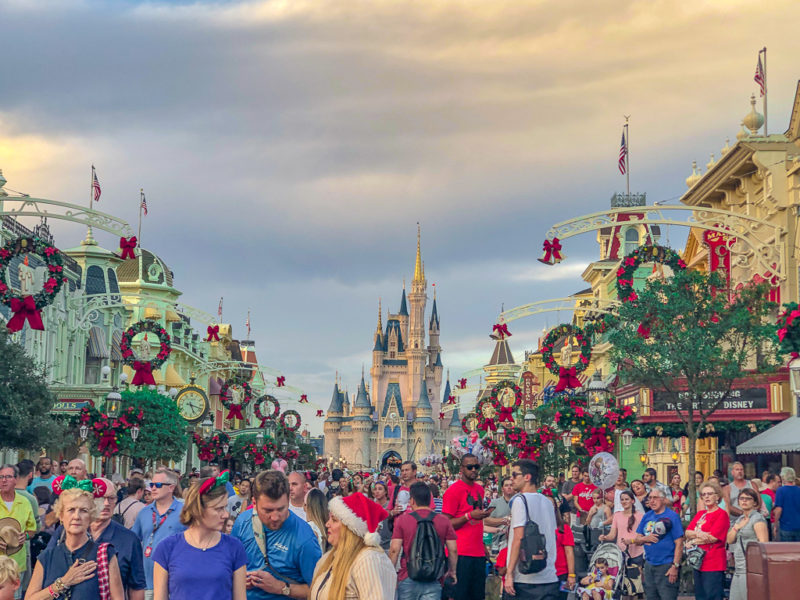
433	373
424	424
362	425
333	424
402	314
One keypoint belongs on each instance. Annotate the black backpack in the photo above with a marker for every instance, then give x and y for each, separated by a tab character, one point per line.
533	546
426	561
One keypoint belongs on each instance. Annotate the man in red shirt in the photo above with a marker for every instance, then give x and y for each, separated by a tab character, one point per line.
405	528
582	492
462	502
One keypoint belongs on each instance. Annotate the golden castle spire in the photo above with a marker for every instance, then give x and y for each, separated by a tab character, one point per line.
419	270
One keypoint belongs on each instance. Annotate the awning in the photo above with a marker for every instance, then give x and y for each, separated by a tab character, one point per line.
169	377
98	347
116	340
783	437
172	316
151	312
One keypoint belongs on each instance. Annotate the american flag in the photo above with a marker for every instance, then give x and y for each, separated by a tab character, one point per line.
95	185
143	205
219	310
623	154
759	76
247	324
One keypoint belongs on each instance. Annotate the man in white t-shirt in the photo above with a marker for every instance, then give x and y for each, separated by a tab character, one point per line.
543	585
297	494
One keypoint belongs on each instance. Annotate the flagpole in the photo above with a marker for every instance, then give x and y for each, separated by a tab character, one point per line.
764	51
139	237
91	189
627	158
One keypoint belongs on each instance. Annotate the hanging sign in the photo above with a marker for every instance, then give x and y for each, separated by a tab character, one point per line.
529	385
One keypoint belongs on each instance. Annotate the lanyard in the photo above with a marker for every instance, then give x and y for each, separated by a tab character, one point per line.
156	527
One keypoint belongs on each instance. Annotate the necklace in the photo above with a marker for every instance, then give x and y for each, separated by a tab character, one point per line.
199	543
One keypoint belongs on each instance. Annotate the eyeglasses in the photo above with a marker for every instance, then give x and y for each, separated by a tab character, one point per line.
159	485
515	474
472	467
109	499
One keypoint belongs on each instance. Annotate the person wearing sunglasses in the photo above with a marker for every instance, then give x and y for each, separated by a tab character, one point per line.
462	503
158	520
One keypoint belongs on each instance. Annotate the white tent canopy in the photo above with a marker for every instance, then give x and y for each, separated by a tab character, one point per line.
783	437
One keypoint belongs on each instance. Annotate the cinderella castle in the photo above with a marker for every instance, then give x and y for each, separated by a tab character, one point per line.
396	416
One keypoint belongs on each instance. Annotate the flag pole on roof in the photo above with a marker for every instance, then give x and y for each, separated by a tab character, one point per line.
761	79
623	161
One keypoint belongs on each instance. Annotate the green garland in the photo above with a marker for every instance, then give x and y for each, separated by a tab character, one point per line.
643	254
559	331
712	429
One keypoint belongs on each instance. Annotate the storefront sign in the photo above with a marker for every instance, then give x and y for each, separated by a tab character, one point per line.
751	399
70	406
529	385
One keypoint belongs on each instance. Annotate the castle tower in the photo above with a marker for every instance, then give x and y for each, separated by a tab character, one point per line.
424	424
402	314
415	352
433	373
362	425
333	425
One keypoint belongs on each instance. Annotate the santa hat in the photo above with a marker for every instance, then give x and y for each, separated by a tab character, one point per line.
360	515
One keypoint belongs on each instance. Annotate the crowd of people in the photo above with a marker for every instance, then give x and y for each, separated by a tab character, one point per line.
398	534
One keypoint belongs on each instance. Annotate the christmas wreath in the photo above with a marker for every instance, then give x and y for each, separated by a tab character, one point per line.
505	413
217	446
466	421
292	413
485	422
144	368
107	430
272	414
567	374
26	308
643	254
235	410
789	329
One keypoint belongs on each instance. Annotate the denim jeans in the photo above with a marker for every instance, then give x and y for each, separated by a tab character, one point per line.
708	585
408	589
790	536
657	585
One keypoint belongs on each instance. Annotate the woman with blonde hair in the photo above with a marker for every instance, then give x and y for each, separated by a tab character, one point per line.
201	562
77	567
355	567
316	507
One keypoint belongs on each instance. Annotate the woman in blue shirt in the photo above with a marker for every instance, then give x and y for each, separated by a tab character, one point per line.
201	562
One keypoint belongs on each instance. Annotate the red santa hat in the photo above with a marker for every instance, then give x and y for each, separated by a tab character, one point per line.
360	515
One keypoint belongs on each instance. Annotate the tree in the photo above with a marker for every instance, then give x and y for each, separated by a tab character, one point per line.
25	401
163	433
691	338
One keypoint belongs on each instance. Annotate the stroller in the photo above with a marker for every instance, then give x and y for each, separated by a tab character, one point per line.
616	565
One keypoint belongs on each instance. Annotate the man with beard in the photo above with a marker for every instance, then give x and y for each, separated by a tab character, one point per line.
45	475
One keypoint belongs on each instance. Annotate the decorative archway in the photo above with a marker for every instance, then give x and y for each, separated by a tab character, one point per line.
391	458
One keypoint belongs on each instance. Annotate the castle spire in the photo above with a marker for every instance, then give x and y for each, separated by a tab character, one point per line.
419	271
380	316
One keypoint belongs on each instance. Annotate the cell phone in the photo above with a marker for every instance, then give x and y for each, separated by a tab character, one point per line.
491	508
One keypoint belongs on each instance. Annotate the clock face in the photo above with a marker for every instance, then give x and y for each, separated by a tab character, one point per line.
192	403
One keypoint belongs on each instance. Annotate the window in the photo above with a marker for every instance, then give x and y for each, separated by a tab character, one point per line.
631	240
95	280
113	287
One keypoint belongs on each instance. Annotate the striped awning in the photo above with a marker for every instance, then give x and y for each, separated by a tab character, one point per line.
116	340
98	347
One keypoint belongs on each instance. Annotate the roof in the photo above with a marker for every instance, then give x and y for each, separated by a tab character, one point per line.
403	306
379	343
362	399
455	420
146	267
502	354
393	390
447	392
336	400
394	325
424	401
434	315
783	437
438	362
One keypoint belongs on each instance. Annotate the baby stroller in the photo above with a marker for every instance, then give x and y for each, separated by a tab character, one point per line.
616	565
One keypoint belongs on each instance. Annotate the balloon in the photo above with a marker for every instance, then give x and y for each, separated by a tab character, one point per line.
280	465
603	470
473	437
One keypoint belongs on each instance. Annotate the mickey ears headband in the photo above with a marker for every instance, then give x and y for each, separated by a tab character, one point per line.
213	482
96	487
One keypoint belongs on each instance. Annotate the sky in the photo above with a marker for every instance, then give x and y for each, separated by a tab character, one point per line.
288	149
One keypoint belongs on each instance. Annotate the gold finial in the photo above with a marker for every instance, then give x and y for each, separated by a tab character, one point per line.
419	270
380	316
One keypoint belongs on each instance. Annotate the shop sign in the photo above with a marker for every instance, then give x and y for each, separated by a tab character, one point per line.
746	400
529	385
70	406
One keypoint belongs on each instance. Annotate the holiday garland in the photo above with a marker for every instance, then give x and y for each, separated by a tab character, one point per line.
144	368
643	254
294	427
272	414
499	454
259	453
107	430
212	448
789	329
26	308
235	410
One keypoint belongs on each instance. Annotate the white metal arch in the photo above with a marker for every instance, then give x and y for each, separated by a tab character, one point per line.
25	206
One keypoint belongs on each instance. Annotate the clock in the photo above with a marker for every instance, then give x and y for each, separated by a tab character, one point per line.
192	403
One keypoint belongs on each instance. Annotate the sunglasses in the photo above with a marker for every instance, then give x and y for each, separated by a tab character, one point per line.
515	474
472	467
153	484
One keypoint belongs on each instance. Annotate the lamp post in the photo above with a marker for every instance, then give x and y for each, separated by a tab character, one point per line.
113	403
597	394
627	437
83	430
529	422
643	458
566	439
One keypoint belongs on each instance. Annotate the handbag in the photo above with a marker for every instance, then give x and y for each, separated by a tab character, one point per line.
694	557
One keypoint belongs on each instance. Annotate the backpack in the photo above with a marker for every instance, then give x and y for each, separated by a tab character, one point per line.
426	561
533	546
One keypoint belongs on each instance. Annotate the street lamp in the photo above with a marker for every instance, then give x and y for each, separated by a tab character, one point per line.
551	447
260	439
225	448
643	458
113	401
598	394
675	457
566	439
529	422
501	435
83	430
627	437
134	433
207	427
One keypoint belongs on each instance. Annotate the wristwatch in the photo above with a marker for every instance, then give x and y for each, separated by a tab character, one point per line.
676	565
286	590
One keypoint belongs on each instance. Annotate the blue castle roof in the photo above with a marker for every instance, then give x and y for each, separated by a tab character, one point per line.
393	389
403	306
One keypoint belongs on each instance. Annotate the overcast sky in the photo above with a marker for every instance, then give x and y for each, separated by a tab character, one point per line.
288	148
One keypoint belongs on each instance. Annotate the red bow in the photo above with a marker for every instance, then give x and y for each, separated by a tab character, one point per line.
644	330
505	414
108	443
462	383
213	333
567	379
235	411
144	373
441	416
281	381
487	425
319	413
451	399
25	310
303	399
552	252
501	329
127	246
